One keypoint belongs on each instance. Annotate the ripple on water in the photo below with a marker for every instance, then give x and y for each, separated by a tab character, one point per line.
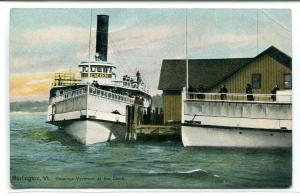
38	148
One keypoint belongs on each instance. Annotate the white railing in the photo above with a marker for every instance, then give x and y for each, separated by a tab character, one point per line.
92	91
131	85
239	97
110	95
69	94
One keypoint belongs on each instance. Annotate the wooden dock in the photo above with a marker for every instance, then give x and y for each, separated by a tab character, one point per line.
135	130
158	132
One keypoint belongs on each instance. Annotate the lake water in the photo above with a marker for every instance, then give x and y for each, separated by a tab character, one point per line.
44	157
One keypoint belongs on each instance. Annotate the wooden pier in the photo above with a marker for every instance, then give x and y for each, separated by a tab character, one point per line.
136	130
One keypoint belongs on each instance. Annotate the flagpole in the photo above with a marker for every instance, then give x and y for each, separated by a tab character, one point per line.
186	53
90	45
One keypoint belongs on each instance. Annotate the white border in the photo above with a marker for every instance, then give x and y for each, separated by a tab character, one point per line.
4	82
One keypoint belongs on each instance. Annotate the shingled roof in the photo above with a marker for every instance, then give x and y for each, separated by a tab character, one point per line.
209	72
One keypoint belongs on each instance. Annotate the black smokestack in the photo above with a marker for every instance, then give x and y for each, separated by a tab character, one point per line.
102	37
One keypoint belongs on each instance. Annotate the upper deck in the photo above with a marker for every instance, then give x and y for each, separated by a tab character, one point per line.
64	79
284	97
100	74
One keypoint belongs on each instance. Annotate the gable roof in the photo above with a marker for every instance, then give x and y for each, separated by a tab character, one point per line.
278	55
209	72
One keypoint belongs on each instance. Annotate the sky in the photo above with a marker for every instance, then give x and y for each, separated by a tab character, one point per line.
46	41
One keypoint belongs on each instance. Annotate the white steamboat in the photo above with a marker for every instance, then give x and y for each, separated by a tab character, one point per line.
92	109
208	121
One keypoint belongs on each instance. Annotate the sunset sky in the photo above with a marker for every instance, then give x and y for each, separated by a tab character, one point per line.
45	41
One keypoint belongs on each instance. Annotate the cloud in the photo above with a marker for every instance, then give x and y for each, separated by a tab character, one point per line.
52	35
34	86
149	38
47	50
30	87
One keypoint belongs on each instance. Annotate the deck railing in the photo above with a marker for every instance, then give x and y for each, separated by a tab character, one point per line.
92	91
239	97
69	94
110	95
65	79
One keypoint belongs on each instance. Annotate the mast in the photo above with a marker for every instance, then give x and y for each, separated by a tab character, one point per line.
90	45
257	31
186	53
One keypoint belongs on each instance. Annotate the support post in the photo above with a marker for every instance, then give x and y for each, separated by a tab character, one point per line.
132	121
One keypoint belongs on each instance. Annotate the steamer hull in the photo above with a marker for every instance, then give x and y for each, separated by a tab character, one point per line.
213	136
90	115
94	131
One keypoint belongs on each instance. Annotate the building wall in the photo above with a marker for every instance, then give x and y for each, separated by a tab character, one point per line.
172	107
272	73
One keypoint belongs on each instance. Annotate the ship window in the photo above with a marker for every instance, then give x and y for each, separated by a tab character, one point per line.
256	81
85	68
109	70
99	69
93	69
288	81
83	75
105	69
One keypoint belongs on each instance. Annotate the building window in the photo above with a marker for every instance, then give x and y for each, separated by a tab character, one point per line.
256	81
86	69
93	69
99	69
288	81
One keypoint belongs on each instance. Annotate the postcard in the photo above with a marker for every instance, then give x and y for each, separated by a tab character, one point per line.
150	98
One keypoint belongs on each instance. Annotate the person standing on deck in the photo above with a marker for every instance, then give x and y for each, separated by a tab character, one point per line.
249	92
138	78
273	92
191	90
201	94
144	119
223	92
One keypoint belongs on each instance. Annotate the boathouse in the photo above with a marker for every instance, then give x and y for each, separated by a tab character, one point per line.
264	71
